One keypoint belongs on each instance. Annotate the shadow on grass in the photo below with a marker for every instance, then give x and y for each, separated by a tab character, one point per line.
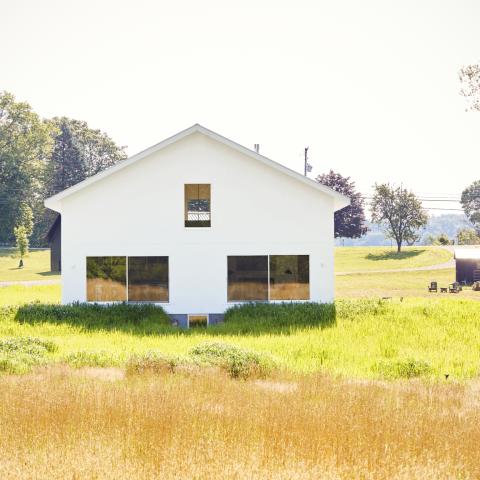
393	255
248	319
48	274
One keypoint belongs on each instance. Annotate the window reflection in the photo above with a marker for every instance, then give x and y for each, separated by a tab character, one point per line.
148	279
106	279
197	205
248	278
289	277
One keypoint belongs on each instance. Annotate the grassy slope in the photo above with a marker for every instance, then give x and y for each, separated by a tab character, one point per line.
443	332
355	259
36	266
399	284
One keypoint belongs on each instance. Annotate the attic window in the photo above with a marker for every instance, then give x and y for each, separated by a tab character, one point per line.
197	205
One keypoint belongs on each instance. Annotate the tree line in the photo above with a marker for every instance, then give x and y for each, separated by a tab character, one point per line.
41	157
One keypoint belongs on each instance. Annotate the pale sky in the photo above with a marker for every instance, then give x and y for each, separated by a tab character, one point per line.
370	86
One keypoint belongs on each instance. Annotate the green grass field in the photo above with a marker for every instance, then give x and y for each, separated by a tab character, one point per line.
398	284
36	266
357	259
20	294
365	339
368	338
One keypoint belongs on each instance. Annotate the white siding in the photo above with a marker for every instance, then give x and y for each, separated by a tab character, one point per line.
140	211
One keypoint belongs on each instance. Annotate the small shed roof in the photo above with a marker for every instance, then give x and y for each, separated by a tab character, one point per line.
467	253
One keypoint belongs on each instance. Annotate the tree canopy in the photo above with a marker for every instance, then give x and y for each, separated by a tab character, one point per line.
470	201
79	152
349	221
470	80
39	158
400	212
25	146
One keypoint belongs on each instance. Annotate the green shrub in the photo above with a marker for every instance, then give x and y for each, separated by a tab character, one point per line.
90	358
408	368
142	317
19	355
238	362
151	362
278	317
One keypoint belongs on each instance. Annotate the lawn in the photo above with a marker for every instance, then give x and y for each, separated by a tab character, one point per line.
398	284
21	294
358	259
36	266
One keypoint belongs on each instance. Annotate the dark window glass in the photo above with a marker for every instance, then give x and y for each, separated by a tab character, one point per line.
289	277
197	205
106	279
248	278
148	279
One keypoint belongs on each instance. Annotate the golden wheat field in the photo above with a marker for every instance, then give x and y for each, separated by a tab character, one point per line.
92	423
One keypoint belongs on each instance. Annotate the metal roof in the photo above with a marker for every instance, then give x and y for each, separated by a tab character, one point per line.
468	253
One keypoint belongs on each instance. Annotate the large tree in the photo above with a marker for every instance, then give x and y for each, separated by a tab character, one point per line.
79	152
399	211
25	145
349	221
470	201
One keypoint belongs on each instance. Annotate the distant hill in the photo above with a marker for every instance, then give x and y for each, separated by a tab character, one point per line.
449	224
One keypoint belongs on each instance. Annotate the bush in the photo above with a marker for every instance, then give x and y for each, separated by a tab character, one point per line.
278	317
143	317
90	358
19	355
408	368
151	362
238	362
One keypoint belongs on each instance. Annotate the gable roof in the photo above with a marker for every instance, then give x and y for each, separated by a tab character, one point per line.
340	201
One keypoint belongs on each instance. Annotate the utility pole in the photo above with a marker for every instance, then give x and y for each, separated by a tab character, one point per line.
308	167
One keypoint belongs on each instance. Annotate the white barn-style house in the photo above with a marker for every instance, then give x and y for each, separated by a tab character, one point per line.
197	223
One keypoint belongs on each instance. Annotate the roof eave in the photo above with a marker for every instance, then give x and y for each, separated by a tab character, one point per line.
340	201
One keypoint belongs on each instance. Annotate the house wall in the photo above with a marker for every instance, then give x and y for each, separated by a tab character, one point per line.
140	211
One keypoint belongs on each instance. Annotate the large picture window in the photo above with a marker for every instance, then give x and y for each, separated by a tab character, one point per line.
197	205
263	278
106	279
148	279
248	278
289	277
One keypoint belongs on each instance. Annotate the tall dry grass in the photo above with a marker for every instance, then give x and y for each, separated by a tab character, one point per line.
69	425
